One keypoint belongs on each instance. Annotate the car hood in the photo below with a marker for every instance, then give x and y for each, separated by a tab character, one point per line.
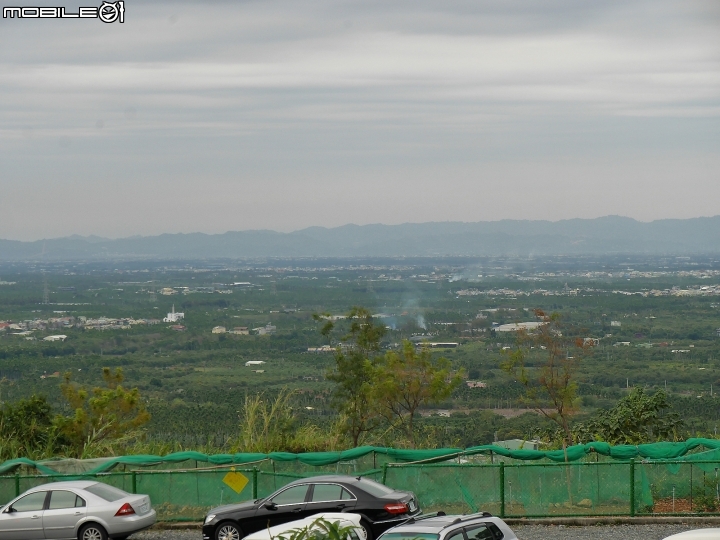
696	534
239	507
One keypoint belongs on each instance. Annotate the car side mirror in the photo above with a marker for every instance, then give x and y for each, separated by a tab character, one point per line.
271	505
9	510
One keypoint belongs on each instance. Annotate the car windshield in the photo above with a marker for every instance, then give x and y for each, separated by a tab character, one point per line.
106	492
409	535
373	488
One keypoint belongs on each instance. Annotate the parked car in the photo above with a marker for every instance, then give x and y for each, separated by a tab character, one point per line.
379	506
480	526
341	519
696	534
82	510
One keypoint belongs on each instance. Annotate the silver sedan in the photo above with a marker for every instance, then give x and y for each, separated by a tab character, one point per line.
82	510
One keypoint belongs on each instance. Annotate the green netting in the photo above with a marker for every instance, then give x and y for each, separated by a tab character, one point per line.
593	479
362	457
452	488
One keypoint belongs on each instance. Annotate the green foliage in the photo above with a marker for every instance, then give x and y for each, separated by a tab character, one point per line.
319	529
551	387
636	419
266	425
26	429
405	381
272	425
104	419
355	363
706	498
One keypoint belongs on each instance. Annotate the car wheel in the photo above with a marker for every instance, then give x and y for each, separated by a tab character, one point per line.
92	531
368	529
228	531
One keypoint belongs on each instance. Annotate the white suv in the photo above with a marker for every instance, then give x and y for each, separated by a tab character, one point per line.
480	526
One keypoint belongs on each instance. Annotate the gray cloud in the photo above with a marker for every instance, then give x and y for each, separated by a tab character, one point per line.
226	115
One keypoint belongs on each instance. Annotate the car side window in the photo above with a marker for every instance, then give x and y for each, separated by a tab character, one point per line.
456	535
62	499
346	495
496	531
328	492
479	532
293	495
79	502
30	503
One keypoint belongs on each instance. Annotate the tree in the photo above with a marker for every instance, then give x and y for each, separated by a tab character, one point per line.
26	429
103	417
405	381
355	362
551	387
637	418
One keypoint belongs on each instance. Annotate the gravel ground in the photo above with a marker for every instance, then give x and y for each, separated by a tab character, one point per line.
524	532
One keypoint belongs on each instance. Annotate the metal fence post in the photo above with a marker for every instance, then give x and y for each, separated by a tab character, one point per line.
691	489
17	484
134	481
384	476
255	483
502	489
632	487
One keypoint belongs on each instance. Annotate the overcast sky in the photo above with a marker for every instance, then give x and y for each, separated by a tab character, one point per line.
217	116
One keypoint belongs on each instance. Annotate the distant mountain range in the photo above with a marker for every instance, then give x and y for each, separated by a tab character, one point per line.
605	235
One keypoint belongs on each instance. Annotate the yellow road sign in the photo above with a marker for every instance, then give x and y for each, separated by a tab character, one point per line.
236	481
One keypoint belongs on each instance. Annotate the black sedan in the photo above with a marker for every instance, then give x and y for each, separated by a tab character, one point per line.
381	507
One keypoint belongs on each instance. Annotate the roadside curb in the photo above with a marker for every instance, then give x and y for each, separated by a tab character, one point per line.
570	522
176	525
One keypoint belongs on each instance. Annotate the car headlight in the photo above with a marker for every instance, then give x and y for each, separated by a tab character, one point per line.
209	518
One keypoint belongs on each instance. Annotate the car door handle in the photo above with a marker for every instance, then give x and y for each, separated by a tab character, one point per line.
296	510
35	517
78	513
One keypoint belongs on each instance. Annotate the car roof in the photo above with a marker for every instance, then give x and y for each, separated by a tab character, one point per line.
77	484
340	478
437	523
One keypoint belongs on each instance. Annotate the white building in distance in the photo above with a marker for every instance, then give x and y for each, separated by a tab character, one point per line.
514	327
174	317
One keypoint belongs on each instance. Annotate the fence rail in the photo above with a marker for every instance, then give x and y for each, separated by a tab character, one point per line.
602	488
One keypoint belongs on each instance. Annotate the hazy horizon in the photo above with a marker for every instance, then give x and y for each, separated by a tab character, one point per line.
119	237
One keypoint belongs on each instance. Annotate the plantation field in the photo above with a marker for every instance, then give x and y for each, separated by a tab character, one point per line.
655	321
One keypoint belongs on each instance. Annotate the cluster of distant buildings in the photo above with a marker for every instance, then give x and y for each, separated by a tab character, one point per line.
513	293
268	329
706	290
27	327
220	288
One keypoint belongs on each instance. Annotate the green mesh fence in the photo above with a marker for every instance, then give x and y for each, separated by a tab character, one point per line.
591	484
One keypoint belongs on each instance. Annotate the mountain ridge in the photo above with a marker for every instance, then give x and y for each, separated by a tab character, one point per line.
577	236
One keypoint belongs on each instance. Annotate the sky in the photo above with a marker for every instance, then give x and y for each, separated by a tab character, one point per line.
232	115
